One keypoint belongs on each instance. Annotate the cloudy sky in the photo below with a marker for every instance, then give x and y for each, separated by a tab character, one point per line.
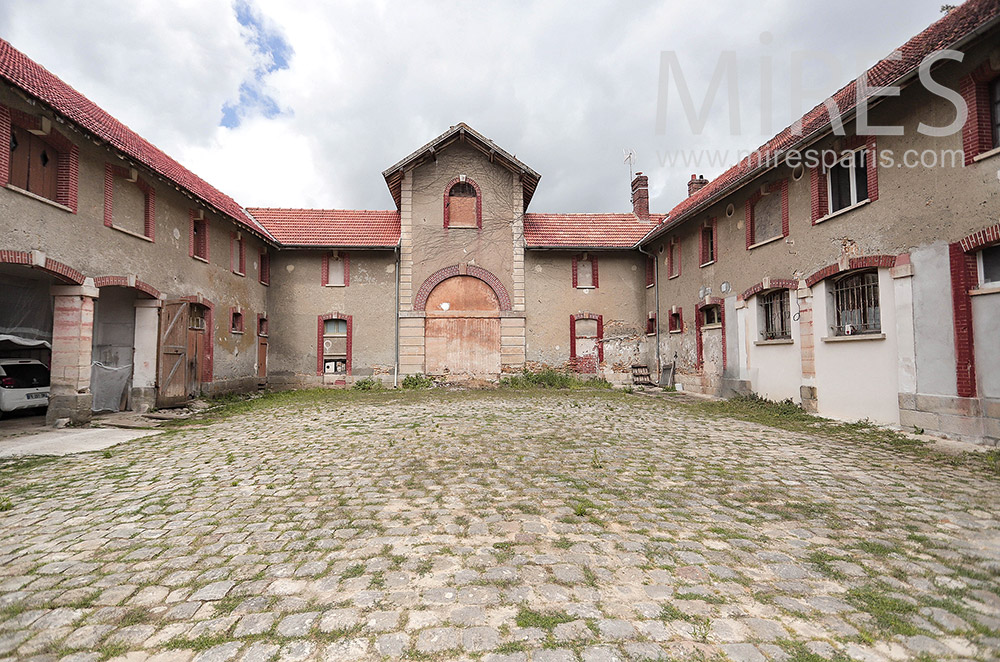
304	104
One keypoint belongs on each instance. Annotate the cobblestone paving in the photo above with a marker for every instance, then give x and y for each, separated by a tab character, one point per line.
504	527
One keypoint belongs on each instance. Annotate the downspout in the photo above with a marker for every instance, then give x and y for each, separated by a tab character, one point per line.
656	296
395	313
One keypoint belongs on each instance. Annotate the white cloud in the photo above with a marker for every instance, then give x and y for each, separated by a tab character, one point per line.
562	84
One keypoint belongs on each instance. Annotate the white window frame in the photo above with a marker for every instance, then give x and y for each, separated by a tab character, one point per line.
982	269
854	181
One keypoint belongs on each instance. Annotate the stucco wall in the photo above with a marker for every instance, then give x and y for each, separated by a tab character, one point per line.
985	319
619	297
934	331
298	297
83	242
774	370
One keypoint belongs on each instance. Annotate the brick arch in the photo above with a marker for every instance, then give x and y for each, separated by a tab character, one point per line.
127	281
479	200
699	345
769	284
38	260
503	298
877	261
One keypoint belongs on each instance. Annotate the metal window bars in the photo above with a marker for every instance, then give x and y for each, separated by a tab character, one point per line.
856	305
776	311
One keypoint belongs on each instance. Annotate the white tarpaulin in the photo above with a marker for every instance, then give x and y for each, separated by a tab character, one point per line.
8	341
107	384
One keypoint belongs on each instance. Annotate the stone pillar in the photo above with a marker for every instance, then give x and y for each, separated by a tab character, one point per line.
411	344
145	344
512	340
72	336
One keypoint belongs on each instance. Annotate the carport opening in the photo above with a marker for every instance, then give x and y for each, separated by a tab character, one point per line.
116	336
25	335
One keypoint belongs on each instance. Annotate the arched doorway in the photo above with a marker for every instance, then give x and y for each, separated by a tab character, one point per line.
462	328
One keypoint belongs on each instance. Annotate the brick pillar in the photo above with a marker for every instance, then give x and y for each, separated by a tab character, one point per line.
807	342
72	337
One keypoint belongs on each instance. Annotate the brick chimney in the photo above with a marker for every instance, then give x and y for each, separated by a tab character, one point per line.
640	196
697	183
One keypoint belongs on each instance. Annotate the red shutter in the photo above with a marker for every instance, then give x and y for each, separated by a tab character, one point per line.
325	270
593	271
346	257
575	281
818	193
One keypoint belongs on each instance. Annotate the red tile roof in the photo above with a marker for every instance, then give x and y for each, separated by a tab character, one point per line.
22	72
330	227
586	230
957	24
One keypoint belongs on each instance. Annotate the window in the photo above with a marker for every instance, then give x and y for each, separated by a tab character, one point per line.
238	254
265	267
650	271
585	271
236	321
673	258
988	260
856	304
651	323
711	316
199	238
847	181
262	326
336	269
775	315
766	218
462	206
708	243
676	321
335	346
995	110
587	348
33	164
129	202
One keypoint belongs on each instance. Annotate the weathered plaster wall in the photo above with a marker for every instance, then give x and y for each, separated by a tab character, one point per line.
986	319
934	331
774	370
298	297
619	297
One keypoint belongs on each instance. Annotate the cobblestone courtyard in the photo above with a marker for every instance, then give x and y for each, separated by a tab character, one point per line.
583	525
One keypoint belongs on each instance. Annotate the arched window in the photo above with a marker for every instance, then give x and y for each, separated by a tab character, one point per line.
856	307
462	205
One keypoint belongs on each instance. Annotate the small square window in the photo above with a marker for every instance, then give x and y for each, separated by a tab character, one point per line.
199	239
236	325
265	268
238	255
711	316
675	322
651	324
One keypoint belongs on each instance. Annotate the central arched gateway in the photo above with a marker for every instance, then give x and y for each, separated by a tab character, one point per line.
462	328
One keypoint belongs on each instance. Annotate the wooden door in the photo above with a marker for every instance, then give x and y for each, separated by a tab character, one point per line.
195	352
262	357
173	373
462	346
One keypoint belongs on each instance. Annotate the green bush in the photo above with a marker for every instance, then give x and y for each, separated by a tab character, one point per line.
549	378
368	384
417	381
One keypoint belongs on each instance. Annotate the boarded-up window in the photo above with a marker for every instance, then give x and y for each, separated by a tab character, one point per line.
238	255
585	274
767	218
586	343
337	273
462	201
265	267
335	346
128	207
34	164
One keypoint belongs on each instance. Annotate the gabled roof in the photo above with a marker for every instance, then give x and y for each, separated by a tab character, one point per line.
319	228
959	24
462	132
37	81
587	230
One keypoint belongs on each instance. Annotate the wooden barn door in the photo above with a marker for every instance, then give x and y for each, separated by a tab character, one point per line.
174	345
462	329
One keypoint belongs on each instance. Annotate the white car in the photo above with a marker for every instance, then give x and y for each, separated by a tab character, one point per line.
24	384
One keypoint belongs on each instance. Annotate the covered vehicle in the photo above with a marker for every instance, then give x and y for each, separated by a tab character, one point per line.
24	384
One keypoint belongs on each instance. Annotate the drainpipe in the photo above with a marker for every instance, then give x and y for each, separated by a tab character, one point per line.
656	297
395	313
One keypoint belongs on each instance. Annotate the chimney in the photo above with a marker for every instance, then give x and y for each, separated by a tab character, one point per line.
697	183
640	196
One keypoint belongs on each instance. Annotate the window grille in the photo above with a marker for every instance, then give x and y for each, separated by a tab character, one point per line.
776	312
856	305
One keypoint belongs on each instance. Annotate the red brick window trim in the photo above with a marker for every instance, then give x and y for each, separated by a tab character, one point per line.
336	269
711	309
980	132
198	242
237	254
861	190
650	271
463	204
673	258
754	229
334	344
38	159
708	243
129	176
675	321
236	324
264	267
585	272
